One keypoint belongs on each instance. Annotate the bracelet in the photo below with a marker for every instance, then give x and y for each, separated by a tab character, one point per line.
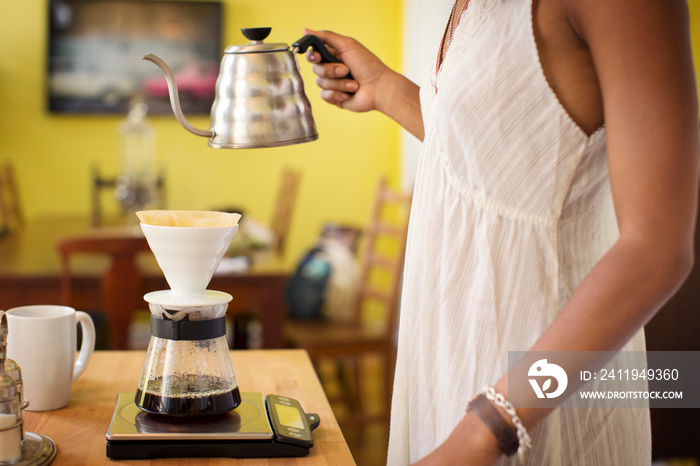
524	440
506	435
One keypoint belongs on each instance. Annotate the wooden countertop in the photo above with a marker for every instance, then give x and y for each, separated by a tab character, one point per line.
79	429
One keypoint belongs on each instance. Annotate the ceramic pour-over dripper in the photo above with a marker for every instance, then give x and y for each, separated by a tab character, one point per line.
188	368
188	256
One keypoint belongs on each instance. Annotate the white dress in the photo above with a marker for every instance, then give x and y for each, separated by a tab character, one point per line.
512	208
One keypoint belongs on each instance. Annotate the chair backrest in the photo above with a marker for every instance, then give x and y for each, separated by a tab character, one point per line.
382	257
284	208
100	184
11	217
122	285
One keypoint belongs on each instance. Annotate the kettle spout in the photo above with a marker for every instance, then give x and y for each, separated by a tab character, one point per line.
175	98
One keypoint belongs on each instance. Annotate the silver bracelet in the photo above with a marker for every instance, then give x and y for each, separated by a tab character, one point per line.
499	400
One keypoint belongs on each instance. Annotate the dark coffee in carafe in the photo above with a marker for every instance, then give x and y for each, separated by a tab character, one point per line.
188	396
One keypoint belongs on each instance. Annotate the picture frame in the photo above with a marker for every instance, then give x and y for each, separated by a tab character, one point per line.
94	55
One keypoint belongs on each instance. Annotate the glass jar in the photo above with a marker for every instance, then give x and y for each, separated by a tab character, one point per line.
12	369
10	421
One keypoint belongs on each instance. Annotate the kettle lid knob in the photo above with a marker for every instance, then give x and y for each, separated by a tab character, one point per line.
256	34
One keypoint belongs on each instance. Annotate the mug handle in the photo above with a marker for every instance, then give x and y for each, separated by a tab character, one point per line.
88	344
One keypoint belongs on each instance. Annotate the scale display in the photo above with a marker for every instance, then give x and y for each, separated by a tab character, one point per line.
255	429
290	417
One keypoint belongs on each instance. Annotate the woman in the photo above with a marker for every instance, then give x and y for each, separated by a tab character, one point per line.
554	210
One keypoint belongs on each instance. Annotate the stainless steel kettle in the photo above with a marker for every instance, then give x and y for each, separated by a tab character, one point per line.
260	99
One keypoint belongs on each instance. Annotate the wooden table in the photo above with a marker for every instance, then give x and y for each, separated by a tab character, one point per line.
79	429
30	274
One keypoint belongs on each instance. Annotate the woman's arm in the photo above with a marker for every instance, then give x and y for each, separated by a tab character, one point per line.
641	53
374	85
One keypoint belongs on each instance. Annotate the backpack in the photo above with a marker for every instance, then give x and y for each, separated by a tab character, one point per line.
306	289
325	283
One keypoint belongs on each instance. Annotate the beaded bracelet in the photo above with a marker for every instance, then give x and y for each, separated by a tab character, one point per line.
523	437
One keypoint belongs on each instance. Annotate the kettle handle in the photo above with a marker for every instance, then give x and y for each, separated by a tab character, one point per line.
317	44
175	98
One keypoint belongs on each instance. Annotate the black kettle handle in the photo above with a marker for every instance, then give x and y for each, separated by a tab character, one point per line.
317	44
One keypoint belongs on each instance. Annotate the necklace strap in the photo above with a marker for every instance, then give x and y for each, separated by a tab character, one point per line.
452	24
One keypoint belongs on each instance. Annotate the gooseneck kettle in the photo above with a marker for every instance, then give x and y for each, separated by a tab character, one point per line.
260	99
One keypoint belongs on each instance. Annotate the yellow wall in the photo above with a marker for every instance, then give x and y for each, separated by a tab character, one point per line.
694	7
53	153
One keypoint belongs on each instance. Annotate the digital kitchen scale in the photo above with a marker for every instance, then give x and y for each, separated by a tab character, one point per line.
274	426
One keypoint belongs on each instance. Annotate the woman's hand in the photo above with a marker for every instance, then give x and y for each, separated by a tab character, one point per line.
374	86
367	71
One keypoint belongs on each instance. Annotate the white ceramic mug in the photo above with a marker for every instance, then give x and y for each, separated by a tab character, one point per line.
42	340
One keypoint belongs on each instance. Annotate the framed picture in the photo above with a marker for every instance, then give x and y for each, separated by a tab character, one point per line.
95	50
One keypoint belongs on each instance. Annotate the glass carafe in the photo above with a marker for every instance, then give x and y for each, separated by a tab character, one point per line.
188	369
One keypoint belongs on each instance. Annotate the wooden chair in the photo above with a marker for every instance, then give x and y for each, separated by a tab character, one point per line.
121	285
11	217
284	208
279	226
382	256
100	184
